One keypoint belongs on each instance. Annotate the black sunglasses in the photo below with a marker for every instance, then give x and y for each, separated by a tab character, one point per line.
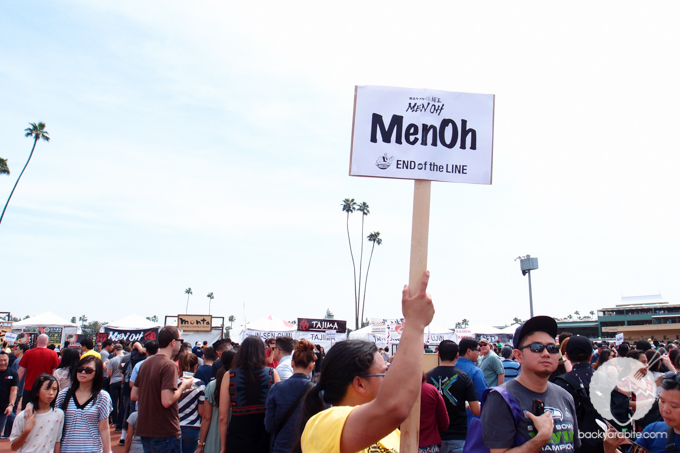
538	348
179	339
82	369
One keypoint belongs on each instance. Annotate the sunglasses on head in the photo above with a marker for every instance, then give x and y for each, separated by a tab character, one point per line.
82	369
538	348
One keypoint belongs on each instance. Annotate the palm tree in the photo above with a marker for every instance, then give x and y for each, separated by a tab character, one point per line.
349	206
4	169
592	313
465	323
210	299
375	239
188	292
363	208
37	131
232	319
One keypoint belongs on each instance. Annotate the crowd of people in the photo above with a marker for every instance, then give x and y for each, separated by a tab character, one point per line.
535	394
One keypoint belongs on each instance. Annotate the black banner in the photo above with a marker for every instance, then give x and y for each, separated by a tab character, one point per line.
141	335
321	325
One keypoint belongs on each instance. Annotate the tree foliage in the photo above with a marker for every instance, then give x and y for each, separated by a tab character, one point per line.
91	328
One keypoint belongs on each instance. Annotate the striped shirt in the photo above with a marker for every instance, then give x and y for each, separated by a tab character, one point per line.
81	423
188	404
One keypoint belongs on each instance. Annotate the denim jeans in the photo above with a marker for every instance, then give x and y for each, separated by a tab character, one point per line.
452	446
190	435
162	444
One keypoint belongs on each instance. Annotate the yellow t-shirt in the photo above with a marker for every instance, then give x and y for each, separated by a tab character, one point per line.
92	352
323	431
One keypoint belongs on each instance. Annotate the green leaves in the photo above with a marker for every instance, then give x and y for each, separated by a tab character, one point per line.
4	169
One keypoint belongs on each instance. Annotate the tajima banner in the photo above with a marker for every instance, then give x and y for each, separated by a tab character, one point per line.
424	134
321	325
141	335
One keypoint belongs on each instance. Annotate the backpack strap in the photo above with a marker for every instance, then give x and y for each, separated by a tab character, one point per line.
512	403
291	409
670	440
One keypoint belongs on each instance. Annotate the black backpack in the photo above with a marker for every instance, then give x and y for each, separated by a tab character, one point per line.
585	412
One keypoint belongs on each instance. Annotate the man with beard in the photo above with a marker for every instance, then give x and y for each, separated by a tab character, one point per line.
554	430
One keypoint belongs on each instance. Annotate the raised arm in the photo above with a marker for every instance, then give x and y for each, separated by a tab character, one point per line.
372	421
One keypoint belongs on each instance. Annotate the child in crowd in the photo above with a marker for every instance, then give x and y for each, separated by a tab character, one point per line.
50	421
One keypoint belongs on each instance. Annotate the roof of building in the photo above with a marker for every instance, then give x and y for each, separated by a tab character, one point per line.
638	300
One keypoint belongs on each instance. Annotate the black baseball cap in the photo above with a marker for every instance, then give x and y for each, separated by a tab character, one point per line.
536	324
579	345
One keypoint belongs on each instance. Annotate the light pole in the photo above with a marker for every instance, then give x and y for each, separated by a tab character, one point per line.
528	264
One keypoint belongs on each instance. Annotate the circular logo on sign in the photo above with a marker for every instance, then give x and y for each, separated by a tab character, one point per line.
626	377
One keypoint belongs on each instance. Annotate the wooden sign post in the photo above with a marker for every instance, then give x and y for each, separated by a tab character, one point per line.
410	429
423	135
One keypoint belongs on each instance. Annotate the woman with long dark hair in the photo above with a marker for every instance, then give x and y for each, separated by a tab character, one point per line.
69	362
86	409
209	439
605	355
283	403
367	404
245	392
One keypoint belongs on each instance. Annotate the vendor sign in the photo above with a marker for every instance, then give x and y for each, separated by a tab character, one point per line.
195	323
140	335
321	325
5	328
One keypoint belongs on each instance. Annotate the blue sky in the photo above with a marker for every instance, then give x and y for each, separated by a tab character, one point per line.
207	146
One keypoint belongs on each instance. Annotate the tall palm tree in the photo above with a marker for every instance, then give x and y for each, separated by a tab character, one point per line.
363	208
232	319
375	239
4	169
349	206
210	299
188	292
37	131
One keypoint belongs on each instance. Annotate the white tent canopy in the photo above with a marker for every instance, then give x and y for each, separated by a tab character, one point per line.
47	319
510	329
272	324
132	321
484	329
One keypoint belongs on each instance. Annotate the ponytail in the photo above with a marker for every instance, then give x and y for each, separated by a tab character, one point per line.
344	361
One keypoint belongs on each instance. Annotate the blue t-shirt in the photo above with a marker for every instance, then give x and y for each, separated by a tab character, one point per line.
512	369
471	369
653	438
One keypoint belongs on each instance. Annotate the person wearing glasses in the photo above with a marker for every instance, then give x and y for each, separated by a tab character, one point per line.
157	391
367	404
86	409
537	352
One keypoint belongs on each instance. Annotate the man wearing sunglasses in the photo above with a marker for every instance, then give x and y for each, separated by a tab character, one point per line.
554	430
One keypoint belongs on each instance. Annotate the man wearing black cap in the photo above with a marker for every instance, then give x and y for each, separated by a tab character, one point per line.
577	383
554	430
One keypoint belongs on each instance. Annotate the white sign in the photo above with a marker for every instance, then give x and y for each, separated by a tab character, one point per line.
619	338
330	334
422	134
11	337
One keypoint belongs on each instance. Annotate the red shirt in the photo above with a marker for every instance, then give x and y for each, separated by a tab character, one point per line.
38	361
269	352
433	416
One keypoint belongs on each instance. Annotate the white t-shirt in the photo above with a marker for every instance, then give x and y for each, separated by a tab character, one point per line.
44	435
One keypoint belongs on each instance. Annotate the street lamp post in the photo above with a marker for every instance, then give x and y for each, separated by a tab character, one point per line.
528	264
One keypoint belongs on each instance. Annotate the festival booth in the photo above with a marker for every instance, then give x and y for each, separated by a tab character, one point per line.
130	328
324	332
491	334
269	327
55	327
386	332
198	328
